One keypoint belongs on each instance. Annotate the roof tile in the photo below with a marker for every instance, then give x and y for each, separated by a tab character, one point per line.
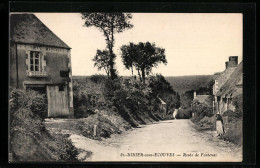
27	28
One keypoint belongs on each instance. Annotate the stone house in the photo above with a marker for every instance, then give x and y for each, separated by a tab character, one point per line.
228	85
41	61
200	98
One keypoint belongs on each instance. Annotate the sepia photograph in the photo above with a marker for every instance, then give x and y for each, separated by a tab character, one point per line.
125	87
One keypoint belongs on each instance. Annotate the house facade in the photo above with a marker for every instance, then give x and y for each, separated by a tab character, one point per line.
41	61
228	85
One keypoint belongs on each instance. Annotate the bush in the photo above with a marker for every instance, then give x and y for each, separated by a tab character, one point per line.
231	114
37	103
238	103
207	123
184	113
84	102
201	109
98	78
233	131
29	139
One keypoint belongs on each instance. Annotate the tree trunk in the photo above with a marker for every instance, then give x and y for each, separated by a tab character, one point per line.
132	71
139	74
112	55
111	65
143	75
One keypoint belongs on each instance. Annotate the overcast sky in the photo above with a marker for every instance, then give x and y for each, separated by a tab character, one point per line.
195	44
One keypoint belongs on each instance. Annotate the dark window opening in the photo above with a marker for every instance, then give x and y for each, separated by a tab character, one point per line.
61	87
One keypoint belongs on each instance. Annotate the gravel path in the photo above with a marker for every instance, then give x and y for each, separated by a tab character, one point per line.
172	140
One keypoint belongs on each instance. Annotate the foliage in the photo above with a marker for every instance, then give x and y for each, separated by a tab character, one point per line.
129	56
97	78
109	24
29	139
207	123
133	100
84	102
144	56
238	103
184	113
160	87
200	110
233	131
231	113
101	60
186	99
33	100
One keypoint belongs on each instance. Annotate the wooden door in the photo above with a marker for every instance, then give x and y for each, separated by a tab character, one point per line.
57	101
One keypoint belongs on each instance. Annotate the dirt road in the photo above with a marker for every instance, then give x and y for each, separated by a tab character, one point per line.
172	140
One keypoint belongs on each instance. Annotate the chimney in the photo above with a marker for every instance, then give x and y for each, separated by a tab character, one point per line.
226	64
234	58
232	61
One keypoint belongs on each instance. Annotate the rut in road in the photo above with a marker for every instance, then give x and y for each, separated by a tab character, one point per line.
172	136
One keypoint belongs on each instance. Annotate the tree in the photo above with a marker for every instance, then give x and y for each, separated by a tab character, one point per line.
144	56
109	24
128	56
101	60
162	88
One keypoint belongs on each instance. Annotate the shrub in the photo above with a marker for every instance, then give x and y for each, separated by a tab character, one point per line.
29	139
84	102
201	109
184	113
231	114
207	123
98	78
238	103
38	103
233	131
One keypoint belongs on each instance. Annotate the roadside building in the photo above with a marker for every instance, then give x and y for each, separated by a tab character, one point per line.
227	85
41	61
201	98
232	88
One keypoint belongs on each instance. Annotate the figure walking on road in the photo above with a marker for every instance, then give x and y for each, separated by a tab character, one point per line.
175	114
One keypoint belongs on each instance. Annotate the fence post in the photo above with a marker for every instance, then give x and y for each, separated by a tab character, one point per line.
95	130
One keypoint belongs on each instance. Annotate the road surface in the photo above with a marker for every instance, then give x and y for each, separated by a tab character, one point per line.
172	140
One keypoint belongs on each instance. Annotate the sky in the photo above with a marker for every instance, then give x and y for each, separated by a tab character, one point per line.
194	43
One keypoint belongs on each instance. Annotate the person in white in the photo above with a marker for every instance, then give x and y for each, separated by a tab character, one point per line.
219	125
175	113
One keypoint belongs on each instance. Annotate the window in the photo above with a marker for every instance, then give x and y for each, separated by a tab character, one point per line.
35	61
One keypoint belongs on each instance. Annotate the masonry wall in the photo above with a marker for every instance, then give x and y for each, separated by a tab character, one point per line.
56	59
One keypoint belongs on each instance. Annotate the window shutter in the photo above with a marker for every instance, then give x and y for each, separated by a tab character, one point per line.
27	62
43	61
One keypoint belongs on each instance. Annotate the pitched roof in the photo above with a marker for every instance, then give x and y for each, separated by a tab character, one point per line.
27	28
223	77
232	87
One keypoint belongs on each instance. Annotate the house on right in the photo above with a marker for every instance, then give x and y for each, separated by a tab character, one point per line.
228	85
